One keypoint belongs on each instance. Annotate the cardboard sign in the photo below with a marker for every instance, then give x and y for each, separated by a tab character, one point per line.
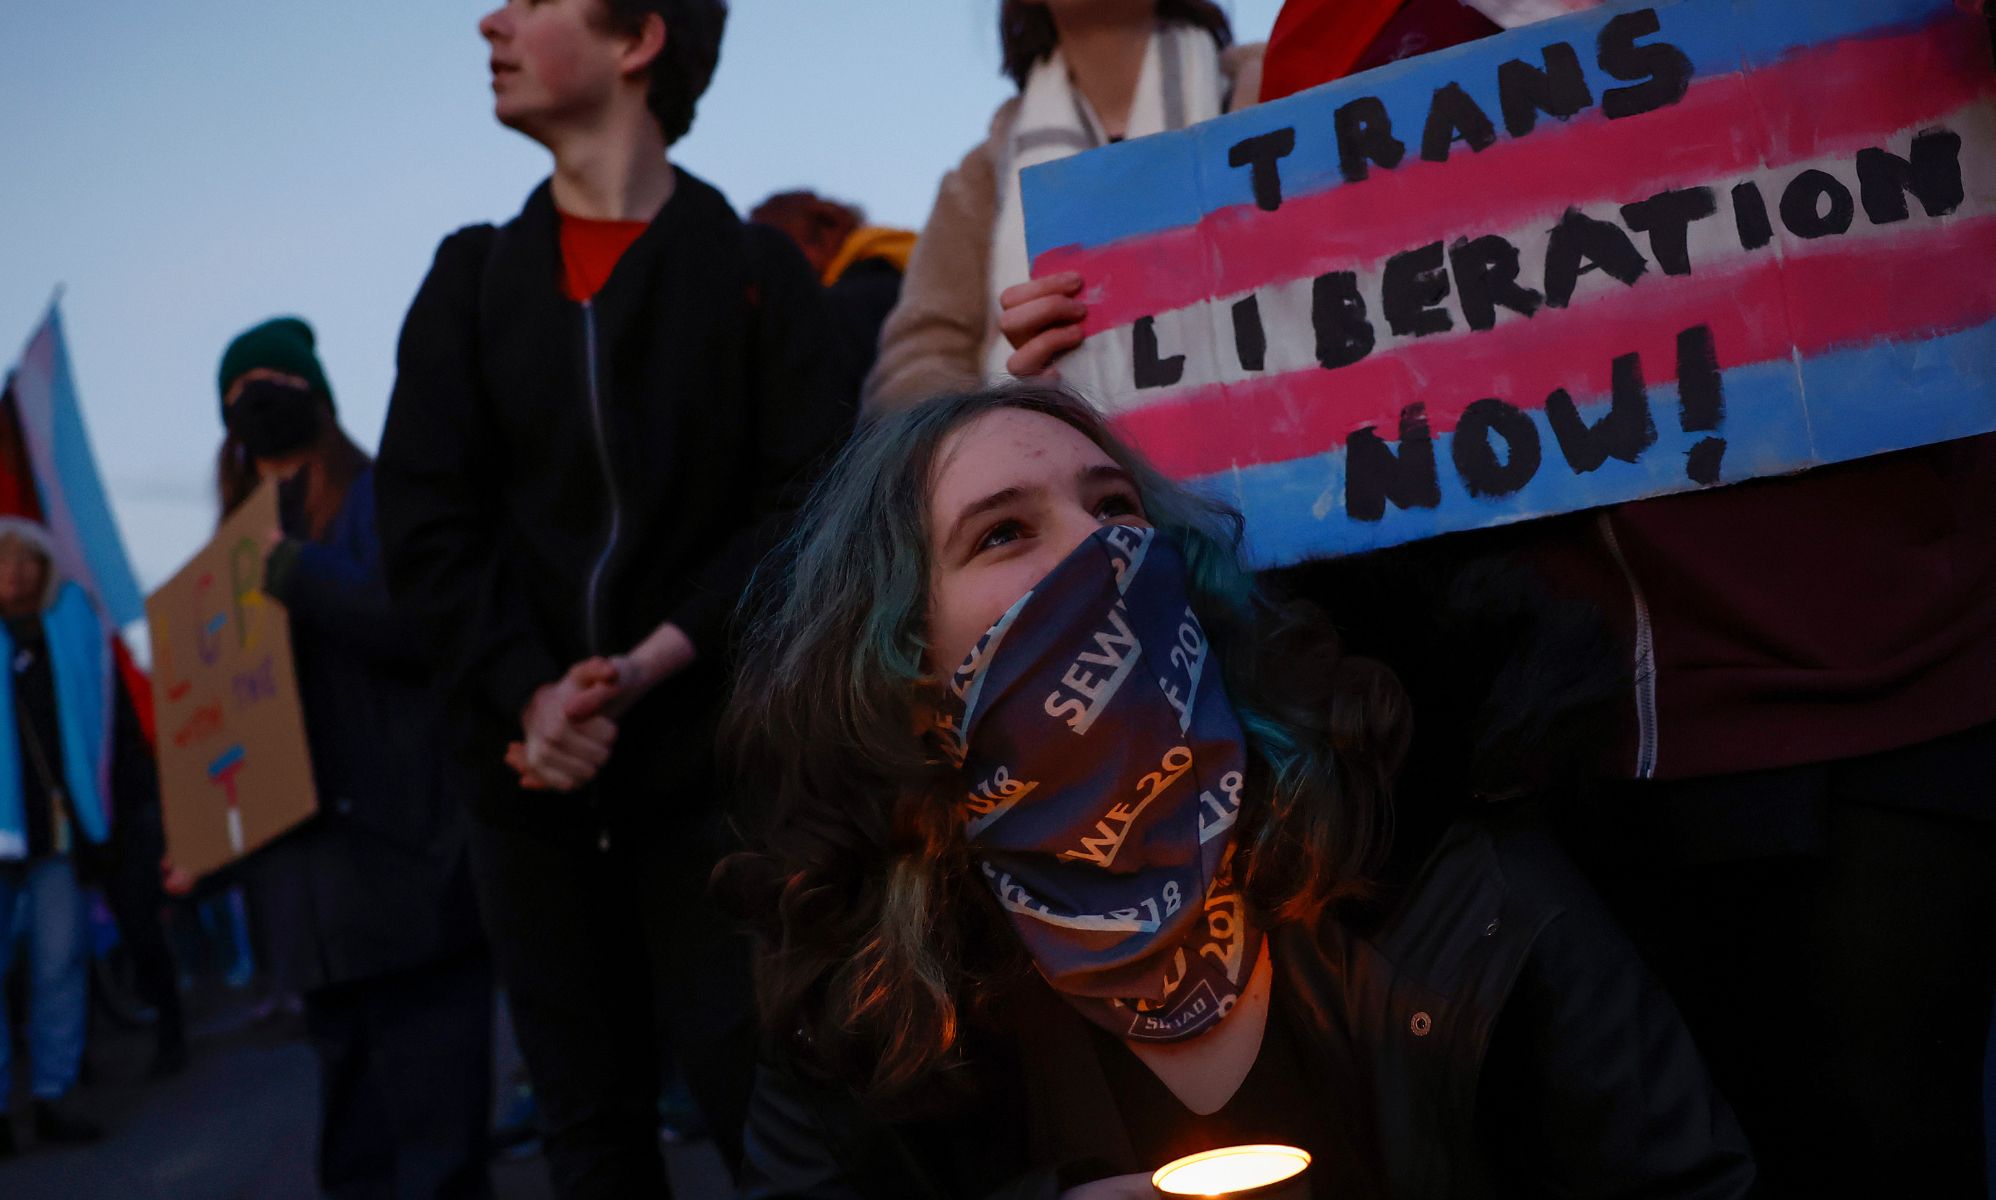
1637	250
234	769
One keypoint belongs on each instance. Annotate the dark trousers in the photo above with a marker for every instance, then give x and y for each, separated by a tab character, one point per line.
405	1082
1834	956
135	899
607	956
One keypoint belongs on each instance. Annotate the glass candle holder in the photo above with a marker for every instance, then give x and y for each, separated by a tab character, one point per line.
1237	1173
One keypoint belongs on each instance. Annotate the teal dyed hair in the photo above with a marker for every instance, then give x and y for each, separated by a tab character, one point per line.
875	930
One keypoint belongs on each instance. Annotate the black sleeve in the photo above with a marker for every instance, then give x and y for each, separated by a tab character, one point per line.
1592	1086
800	415
343	599
812	1141
790	1147
857	306
438	487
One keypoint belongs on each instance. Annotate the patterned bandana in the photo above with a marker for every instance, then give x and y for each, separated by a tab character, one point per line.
1103	767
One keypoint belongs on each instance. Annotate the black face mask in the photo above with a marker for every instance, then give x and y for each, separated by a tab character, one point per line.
273	419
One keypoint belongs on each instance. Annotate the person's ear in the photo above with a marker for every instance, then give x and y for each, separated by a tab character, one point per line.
646	45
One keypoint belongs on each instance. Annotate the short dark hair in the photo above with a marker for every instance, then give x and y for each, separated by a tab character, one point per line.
681	72
1026	32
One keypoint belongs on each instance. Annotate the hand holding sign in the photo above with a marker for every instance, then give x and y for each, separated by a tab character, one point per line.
1042	319
174	881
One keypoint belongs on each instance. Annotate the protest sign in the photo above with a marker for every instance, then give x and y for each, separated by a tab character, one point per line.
234	769
1640	249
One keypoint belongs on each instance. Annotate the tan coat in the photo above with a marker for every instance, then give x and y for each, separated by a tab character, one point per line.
933	341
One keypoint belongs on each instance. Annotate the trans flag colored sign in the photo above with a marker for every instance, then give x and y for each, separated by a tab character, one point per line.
1636	250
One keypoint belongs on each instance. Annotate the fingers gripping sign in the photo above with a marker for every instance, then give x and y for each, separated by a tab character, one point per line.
1042	319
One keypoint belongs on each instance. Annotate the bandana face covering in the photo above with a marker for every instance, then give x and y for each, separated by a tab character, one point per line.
1103	765
273	419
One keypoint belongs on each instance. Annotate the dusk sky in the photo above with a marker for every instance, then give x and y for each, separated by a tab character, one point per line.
186	170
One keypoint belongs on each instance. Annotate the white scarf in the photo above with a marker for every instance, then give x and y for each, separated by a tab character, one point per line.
1181	84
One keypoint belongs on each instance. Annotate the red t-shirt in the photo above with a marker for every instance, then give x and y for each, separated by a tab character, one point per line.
590	250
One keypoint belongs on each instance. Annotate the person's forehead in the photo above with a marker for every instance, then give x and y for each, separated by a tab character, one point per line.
254	374
1010	447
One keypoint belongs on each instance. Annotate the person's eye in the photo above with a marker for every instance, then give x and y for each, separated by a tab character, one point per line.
1000	534
1118	504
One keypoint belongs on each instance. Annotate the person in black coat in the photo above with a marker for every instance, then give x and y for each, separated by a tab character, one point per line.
1111	891
861	266
368	905
602	409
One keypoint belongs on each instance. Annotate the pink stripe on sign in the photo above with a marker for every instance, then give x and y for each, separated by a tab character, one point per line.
1815	103
1875	290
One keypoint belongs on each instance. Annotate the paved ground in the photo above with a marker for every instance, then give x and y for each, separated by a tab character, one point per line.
239	1124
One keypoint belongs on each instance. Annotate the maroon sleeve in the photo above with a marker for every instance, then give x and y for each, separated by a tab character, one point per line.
1316	41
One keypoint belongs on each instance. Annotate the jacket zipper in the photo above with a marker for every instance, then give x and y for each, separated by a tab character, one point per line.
592	596
1646	730
592	593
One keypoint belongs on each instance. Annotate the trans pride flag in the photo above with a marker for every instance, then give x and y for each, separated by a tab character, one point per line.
1638	249
69	493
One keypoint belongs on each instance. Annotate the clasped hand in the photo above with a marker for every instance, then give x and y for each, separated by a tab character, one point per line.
569	726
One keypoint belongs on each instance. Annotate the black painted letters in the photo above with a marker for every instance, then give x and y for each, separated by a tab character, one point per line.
1260	154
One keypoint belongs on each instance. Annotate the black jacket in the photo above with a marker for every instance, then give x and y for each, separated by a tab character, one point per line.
1514	1043
377	880
858	303
557	479
135	819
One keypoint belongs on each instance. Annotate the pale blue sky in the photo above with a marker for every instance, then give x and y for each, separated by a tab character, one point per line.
187	169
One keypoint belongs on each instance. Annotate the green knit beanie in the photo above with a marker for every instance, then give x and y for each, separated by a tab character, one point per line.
279	344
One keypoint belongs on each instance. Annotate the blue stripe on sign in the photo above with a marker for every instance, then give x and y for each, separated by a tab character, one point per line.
1870	401
228	758
1862	401
1157	183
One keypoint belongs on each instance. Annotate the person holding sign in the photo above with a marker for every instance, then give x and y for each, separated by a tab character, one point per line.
70	751
1796	823
602	410
1089	72
369	903
1070	867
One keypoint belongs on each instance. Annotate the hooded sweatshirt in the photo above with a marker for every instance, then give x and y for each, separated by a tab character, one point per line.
55	772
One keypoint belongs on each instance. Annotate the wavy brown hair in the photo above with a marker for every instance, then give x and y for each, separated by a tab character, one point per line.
878	940
1026	32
